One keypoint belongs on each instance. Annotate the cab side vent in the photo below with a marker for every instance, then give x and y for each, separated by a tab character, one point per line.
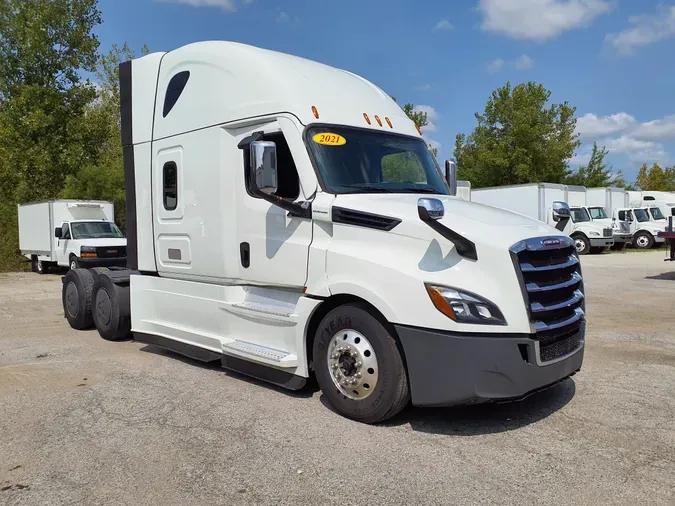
363	219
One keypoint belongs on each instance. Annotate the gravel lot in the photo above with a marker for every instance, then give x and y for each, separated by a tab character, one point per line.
85	421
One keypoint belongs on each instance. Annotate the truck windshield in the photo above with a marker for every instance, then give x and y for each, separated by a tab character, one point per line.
597	213
580	214
353	160
641	215
656	213
95	230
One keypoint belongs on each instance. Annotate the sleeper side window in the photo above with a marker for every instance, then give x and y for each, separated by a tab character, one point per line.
649	198
170	183
288	181
174	91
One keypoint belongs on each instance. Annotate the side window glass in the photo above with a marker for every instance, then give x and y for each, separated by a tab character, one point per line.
170	183
622	215
65	231
174	91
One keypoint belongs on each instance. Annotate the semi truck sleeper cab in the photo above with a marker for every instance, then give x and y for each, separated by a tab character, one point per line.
286	218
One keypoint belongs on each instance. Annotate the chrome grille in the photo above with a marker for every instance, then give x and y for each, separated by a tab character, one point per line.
607	232
550	276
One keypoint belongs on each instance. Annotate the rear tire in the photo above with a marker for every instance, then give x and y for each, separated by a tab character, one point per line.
351	345
41	267
643	240
582	244
76	298
111	309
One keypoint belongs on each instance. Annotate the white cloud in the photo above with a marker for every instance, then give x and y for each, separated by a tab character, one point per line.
443	24
226	5
646	29
495	65
539	19
282	17
591	126
423	87
432	117
523	62
621	133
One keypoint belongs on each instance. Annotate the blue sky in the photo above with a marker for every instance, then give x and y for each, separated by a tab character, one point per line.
612	59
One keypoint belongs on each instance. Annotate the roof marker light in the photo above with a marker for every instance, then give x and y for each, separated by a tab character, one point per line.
367	118
379	121
388	122
315	112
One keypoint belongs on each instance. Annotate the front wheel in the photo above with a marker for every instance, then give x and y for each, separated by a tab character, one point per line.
74	263
358	365
643	240
582	244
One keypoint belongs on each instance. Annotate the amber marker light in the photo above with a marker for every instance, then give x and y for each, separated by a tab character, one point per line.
440	302
315	112
366	118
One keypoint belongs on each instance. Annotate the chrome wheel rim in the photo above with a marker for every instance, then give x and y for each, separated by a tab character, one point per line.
73	265
642	241
580	245
39	265
352	364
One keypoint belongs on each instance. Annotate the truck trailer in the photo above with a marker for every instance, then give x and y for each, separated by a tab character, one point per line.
286	218
536	201
70	233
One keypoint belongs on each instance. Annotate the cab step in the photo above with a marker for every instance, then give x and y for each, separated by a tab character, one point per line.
261	353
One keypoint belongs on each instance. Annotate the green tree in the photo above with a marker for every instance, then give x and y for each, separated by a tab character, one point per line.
518	139
420	118
103	178
656	178
45	46
596	173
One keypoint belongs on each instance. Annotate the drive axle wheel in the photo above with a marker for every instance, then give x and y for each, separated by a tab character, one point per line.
76	298
643	240
358	365
111	309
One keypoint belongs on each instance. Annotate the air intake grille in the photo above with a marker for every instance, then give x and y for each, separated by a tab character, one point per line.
111	251
607	232
550	276
362	219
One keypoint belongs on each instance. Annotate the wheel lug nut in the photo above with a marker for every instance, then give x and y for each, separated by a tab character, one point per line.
335	356
334	366
355	354
358	364
358	375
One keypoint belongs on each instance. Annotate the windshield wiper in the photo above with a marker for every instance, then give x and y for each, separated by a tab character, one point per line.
367	188
426	189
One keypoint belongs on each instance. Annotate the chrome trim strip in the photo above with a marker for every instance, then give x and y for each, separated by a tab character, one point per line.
533	287
571	261
538	307
543	327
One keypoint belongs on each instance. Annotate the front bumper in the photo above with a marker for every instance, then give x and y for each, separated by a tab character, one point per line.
601	242
623	238
659	239
447	369
103	262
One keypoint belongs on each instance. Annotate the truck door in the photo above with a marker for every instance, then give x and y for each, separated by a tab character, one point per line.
63	244
273	247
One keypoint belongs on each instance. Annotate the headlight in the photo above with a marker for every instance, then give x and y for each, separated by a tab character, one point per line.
88	251
464	307
594	234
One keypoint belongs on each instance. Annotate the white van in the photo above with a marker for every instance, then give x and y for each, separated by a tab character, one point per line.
286	218
70	233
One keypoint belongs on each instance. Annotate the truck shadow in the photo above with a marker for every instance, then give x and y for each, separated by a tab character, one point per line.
484	419
666	276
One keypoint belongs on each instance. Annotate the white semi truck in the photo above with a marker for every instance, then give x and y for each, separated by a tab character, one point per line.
70	233
286	218
584	205
646	229
536	201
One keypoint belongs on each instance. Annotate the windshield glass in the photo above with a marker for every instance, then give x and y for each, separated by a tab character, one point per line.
579	214
641	215
352	160
95	230
656	213
597	213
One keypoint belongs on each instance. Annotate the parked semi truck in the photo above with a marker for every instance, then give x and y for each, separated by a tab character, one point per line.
665	201
645	228
536	201
70	233
286	218
581	202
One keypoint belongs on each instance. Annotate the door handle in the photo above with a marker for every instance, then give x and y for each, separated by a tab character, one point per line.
245	254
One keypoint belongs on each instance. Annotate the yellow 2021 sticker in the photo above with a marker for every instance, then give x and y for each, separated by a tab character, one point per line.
329	139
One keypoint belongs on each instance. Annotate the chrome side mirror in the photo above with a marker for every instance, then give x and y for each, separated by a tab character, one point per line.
561	210
430	209
451	176
264	166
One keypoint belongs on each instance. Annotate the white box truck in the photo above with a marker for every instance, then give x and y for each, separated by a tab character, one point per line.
584	204
286	218
536	201
70	233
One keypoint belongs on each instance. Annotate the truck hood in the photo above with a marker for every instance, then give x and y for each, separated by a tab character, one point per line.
103	242
477	222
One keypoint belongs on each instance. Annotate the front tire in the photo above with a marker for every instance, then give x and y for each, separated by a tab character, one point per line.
643	240
358	365
74	263
582	244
